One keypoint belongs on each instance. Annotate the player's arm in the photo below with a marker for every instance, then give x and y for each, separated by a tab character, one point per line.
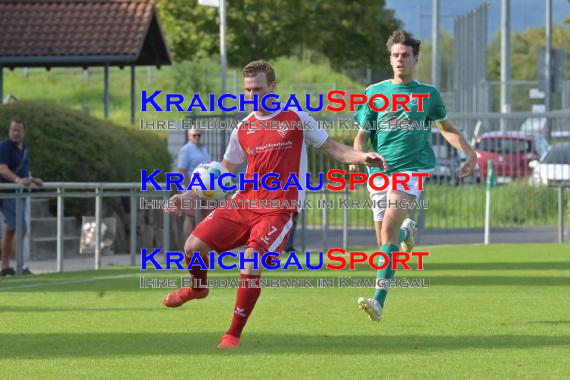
175	202
185	179
340	152
363	115
185	184
360	145
456	140
347	155
361	140
231	167
182	163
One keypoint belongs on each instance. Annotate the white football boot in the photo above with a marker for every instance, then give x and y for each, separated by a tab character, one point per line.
371	307
408	244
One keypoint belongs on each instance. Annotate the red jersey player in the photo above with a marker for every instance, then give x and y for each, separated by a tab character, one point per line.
281	151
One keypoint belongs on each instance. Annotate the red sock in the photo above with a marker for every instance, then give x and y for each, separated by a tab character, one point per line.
201	275
245	302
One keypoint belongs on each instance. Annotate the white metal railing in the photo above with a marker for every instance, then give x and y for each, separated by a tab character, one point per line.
98	190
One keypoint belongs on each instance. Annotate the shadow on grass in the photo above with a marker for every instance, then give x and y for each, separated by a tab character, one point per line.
72	309
40	346
555	322
544	265
493	280
114	286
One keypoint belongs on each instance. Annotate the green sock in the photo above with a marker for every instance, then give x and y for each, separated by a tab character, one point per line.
404	234
387	273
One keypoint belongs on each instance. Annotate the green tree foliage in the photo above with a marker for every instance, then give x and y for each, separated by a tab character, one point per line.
524	49
349	33
68	145
525	46
346	32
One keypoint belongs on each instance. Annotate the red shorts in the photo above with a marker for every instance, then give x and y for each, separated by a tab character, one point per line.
228	228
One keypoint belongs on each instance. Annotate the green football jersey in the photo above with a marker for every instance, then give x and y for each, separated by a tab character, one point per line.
402	137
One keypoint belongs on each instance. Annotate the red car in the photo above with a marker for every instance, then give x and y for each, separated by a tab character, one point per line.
510	153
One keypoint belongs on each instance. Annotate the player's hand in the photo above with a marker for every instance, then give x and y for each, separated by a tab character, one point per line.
468	167
175	201
374	159
352	168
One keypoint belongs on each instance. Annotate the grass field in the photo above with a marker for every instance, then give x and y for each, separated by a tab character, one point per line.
500	311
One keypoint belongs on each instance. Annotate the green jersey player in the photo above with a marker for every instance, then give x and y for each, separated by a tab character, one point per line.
402	137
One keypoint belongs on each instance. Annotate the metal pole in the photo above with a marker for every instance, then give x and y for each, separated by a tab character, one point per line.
149	74
304	227
565	95
59	247
325	222
223	60
466	62
463	48
106	95
166	228
491	182
548	59
456	56
487	216
560	215
1	85
421	221
480	57
435	44
97	228
505	61
470	61
133	235
86	76
345	223
477	60
28	225
19	235
485	96
133	90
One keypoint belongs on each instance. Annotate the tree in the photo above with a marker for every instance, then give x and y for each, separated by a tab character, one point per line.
256	29
524	47
349	33
524	50
346	32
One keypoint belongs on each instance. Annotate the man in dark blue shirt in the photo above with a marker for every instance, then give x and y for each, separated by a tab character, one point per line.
14	168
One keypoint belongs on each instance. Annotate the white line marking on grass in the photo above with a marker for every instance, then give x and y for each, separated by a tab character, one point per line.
55	283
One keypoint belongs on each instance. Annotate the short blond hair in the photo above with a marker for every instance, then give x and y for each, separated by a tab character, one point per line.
260	66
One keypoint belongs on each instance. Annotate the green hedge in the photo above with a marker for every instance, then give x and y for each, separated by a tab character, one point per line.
68	145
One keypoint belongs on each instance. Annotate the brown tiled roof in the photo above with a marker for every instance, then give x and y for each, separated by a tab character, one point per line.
88	32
